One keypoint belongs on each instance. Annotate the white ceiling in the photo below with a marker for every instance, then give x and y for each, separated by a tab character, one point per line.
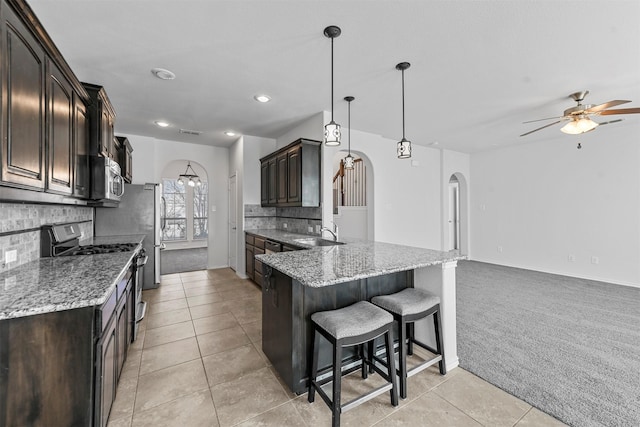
478	68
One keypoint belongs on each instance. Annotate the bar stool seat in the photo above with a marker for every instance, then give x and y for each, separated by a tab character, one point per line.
408	306
354	325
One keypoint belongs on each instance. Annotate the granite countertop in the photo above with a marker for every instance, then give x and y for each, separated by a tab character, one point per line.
55	284
356	259
283	236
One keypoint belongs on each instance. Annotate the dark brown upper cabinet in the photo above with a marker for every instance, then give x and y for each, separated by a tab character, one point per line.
272	182
101	120
291	175
264	183
281	178
125	157
82	175
41	145
60	127
294	181
23	105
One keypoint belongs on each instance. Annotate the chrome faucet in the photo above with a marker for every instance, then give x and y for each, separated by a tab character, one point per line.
333	232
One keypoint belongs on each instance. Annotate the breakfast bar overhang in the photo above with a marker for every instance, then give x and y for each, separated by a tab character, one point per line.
300	283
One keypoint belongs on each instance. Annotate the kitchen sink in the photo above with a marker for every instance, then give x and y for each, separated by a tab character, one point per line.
317	241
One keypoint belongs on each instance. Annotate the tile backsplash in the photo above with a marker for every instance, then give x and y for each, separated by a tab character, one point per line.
20	228
295	220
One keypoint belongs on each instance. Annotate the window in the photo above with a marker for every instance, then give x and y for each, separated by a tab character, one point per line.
187	207
200	208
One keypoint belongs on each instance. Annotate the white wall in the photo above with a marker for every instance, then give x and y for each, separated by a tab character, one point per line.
244	159
352	221
236	167
312	128
545	201
457	163
151	155
254	149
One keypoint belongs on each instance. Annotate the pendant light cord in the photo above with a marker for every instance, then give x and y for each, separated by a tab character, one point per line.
349	131
332	79
403	105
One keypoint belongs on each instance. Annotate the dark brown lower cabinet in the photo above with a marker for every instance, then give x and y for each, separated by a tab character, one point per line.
249	261
46	369
112	347
61	368
106	373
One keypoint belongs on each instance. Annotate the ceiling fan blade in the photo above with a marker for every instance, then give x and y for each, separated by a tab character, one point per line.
606	105
610	121
545	126
620	111
540	120
604	123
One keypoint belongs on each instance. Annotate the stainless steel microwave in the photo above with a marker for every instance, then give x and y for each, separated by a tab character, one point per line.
106	182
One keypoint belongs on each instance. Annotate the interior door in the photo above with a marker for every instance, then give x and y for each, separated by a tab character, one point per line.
233	228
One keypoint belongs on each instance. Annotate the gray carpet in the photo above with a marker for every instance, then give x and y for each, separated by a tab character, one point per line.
568	346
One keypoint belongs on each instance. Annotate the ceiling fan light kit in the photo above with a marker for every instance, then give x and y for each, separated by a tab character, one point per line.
578	126
332	129
579	117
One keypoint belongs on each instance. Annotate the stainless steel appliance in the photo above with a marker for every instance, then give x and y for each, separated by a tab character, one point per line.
106	184
140	211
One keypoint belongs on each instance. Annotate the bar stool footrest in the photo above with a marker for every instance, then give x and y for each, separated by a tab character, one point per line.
422	366
365	397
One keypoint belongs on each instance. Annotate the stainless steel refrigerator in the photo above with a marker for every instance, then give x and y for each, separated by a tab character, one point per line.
141	211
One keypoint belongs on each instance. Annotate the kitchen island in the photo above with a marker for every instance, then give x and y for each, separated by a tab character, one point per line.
300	283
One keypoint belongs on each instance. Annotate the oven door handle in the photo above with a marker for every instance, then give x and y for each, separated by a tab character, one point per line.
142	261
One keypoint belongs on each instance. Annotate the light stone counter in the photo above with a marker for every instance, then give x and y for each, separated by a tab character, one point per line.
330	265
55	284
327	266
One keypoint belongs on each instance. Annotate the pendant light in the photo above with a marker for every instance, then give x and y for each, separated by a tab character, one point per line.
190	176
404	145
332	129
349	160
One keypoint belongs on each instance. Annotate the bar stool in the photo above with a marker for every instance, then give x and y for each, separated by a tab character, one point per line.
408	306
350	326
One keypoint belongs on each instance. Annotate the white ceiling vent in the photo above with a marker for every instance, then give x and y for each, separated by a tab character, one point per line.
190	132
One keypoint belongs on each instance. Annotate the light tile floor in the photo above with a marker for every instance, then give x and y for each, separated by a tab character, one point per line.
198	362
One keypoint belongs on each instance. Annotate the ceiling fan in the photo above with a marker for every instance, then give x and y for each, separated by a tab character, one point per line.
579	117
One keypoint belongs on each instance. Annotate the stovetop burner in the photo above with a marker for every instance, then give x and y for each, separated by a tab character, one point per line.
102	249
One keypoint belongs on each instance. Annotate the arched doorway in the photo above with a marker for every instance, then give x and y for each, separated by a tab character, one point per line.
457	214
353	196
186	230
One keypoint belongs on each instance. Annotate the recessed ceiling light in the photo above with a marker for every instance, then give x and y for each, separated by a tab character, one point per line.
262	98
163	74
230	133
161	123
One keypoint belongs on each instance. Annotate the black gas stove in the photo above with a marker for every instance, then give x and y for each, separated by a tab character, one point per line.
63	240
102	249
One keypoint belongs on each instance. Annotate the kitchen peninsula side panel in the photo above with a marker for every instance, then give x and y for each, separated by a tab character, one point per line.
287	307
